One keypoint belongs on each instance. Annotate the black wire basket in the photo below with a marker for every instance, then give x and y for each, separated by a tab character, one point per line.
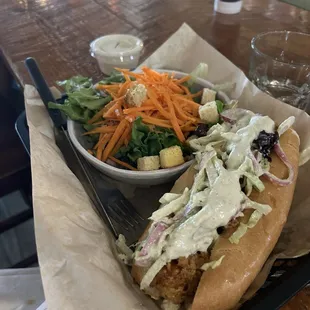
285	279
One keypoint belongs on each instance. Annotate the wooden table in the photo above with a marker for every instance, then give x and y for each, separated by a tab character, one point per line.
58	32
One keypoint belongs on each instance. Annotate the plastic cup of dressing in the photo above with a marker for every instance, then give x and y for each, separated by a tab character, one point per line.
116	50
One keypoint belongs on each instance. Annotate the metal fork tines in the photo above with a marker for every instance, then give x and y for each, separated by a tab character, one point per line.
124	213
110	204
124	217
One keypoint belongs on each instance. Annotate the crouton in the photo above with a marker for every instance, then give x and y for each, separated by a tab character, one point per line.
171	156
208	113
148	163
208	95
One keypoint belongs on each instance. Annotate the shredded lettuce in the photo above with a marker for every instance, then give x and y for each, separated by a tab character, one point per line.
262	208
242	228
231	136
153	271
212	172
248	187
124	252
212	264
172	207
168	197
200	198
257	183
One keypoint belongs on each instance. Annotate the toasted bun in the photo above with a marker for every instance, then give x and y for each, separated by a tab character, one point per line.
221	288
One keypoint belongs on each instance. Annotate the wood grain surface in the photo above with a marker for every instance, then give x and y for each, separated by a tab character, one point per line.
58	32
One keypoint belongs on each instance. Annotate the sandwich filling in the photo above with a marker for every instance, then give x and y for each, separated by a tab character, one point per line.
230	160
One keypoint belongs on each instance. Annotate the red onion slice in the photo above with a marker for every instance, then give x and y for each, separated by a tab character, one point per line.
257	167
285	125
153	238
232	115
271	177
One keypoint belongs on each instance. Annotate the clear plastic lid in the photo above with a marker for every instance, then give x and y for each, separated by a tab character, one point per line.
116	50
116	45
228	7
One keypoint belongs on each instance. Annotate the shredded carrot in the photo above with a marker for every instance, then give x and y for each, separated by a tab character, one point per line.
101	145
130	118
196	94
177	89
118	111
102	129
105	86
154	121
116	135
174	120
161	110
90	152
121	140
184	79
182	115
99	150
110	121
130	73
188	101
123	88
186	90
122	163
111	111
127	78
138	109
99	114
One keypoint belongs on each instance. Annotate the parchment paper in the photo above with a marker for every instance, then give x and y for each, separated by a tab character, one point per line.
76	252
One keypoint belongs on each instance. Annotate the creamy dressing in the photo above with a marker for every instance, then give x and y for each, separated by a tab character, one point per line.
198	232
216	191
240	148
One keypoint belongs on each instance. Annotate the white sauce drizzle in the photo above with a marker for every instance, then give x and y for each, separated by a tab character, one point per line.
224	198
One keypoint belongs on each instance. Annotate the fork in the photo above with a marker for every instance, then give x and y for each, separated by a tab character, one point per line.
109	203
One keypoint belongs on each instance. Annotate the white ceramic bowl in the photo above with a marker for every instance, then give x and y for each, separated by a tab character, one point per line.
76	130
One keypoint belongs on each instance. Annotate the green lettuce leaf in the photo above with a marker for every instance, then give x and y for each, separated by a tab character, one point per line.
146	141
220	106
83	100
115	77
242	228
212	264
74	112
75	83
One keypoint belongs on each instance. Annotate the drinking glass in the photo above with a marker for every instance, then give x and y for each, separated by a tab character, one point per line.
280	66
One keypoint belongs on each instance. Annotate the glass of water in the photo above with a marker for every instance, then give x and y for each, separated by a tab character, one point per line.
280	66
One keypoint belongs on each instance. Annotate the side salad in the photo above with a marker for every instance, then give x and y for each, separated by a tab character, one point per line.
141	121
